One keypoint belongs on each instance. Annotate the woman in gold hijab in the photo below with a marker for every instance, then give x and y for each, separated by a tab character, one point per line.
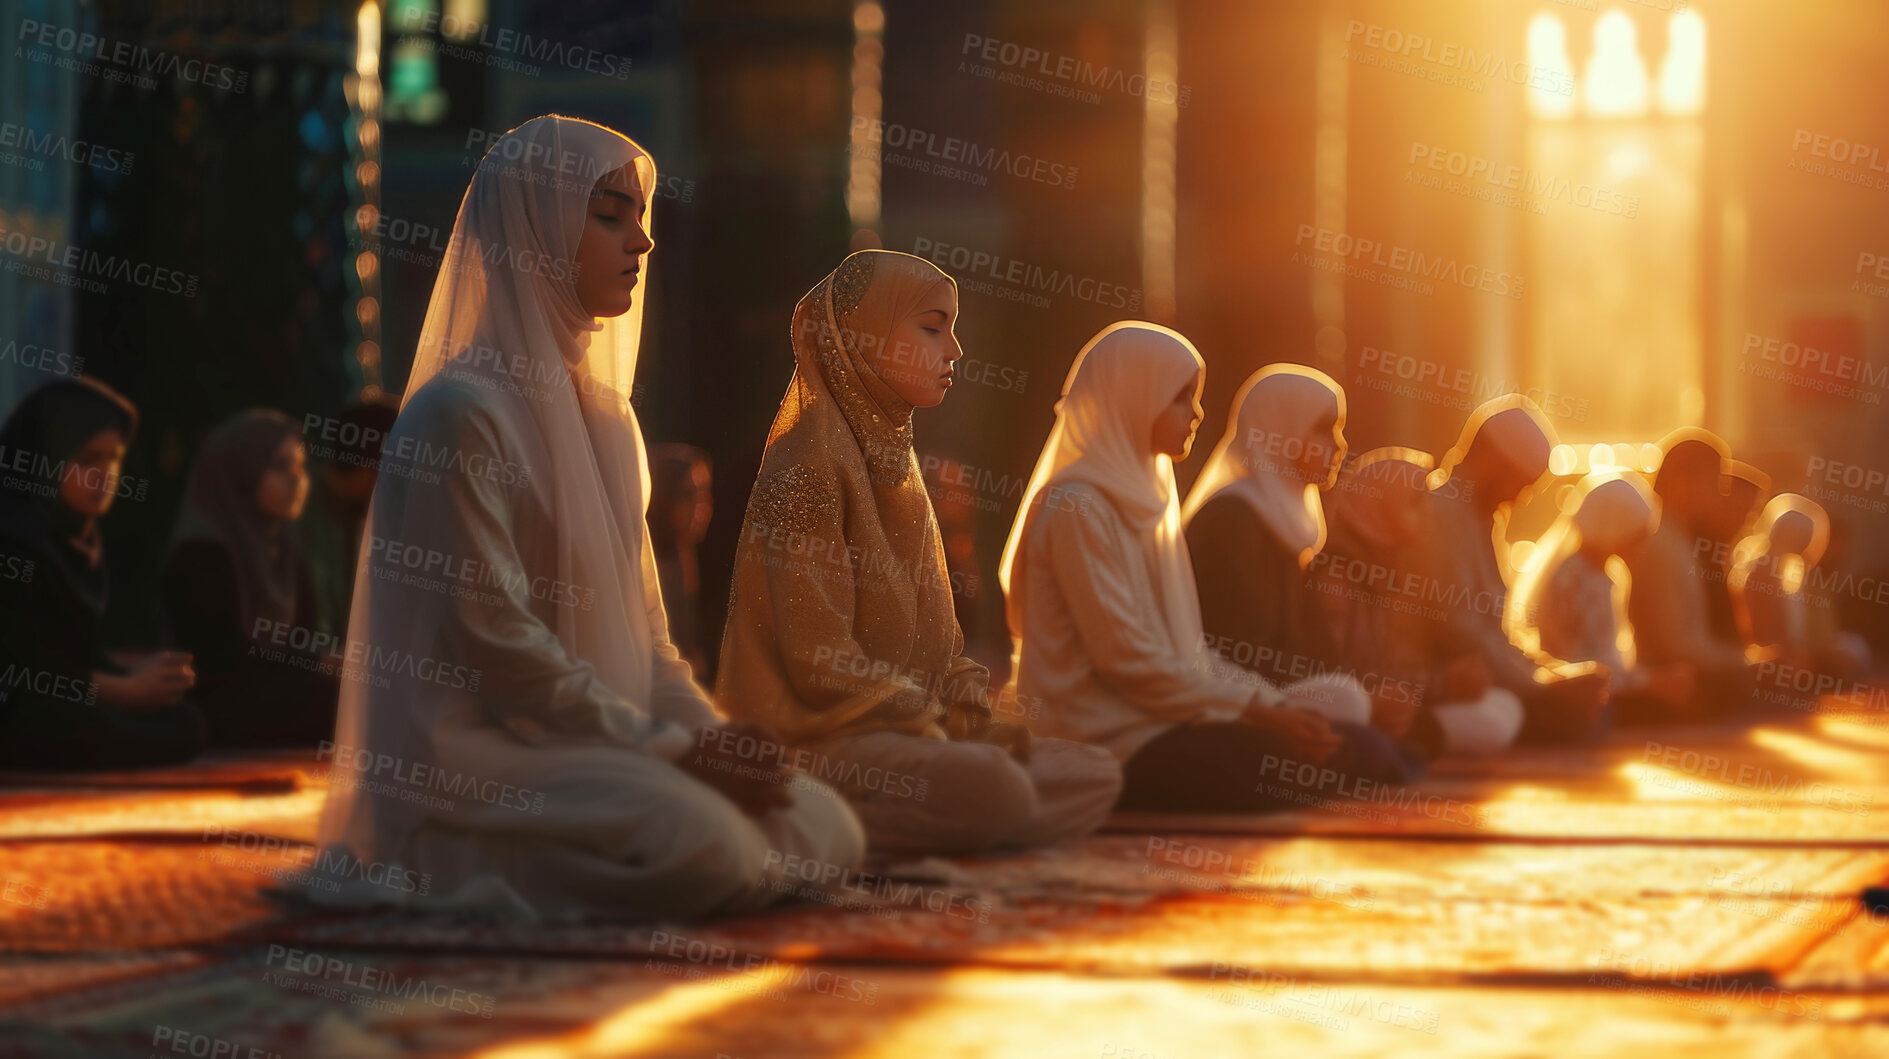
841	631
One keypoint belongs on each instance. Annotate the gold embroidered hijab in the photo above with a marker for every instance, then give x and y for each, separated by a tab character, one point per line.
841	613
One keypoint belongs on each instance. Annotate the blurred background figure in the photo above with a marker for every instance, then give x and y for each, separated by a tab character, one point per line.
1500	456
1742	489
64	704
957	507
235	588
1672	576
681	503
1570	601
1254	522
337	511
1781	614
1376	516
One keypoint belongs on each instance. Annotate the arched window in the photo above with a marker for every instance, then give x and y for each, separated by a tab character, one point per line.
1616	254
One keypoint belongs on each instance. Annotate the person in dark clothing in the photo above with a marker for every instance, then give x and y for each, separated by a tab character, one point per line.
681	501
1674	580
64	704
1254	522
236	592
1499	458
1745	488
337	509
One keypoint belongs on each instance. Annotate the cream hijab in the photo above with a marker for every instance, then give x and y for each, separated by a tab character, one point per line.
1610	509
1120	383
1276	413
506	335
1785	544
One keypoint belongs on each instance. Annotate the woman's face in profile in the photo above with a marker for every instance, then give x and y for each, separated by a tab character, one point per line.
919	358
91	475
1174	427
283	488
1324	453
609	254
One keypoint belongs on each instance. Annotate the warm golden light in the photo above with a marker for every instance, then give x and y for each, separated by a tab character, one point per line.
1616	76
1158	139
648	1023
1563	461
1548	55
367	41
1682	71
863	176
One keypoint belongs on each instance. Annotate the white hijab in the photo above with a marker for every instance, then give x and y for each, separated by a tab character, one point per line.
505	325
1275	414
1120	383
1612	509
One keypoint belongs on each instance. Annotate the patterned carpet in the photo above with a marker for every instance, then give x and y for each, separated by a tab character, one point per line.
1612	901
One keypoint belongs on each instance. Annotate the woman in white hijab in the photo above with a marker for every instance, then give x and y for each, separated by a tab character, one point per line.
517	734
1099	592
1781	615
1254	522
1768	571
1570	598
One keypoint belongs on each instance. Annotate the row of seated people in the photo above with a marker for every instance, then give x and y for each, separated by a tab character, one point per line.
553	754
254	587
1166	655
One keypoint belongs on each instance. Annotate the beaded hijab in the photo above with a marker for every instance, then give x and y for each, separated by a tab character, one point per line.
841	616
